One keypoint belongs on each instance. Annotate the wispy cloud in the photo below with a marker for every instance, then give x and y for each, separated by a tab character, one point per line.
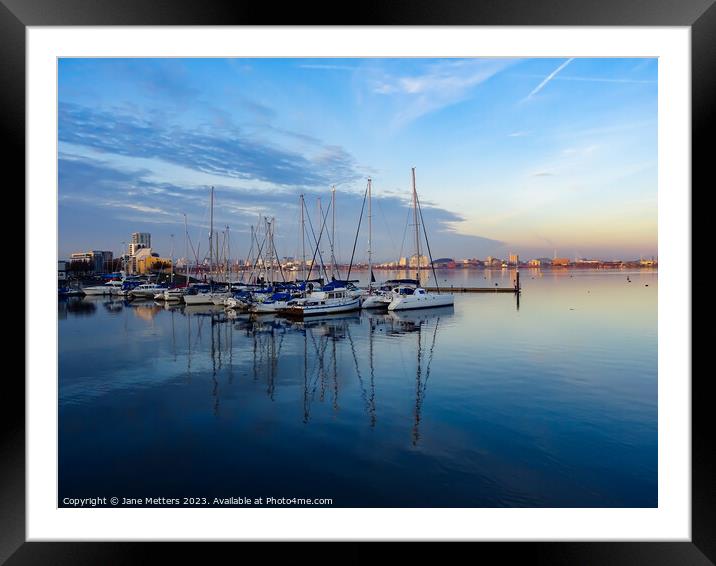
548	78
437	86
228	152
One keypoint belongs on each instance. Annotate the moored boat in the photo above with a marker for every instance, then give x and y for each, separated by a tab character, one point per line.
322	302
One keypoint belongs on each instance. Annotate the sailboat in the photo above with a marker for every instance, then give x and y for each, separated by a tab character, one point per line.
200	294
335	297
405	296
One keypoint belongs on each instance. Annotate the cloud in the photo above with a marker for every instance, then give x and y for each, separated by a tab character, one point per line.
228	152
519	134
124	200
542	174
436	86
548	78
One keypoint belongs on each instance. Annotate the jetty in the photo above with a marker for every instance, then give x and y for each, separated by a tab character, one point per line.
452	289
516	289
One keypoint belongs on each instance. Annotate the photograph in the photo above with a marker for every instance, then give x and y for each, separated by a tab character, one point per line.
359	282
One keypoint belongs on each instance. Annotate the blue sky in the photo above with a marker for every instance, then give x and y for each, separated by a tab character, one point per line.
522	155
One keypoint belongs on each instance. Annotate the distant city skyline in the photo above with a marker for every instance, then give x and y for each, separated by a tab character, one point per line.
512	155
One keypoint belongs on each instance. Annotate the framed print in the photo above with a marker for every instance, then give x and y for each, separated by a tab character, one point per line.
383	280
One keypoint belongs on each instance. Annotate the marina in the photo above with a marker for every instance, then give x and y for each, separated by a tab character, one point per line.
462	405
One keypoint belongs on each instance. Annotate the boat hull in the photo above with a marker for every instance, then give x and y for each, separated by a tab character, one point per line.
199	299
305	311
426	301
375	302
96	291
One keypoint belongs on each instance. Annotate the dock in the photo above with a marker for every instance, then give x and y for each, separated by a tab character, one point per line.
450	289
515	290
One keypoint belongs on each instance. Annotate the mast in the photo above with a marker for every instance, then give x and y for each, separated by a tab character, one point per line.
186	253
417	232
228	256
333	230
321	223
171	276
370	236
211	231
303	241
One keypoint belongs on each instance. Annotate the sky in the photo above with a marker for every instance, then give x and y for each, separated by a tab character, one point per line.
529	156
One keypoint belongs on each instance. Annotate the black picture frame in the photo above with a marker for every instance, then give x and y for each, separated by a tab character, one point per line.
16	15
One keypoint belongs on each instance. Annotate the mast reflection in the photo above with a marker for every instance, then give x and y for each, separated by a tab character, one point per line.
316	357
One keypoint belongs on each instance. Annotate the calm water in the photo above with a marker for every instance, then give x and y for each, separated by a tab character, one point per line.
552	404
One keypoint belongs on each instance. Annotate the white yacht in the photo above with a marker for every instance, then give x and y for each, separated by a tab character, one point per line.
146	290
413	296
404	298
199	297
113	287
322	302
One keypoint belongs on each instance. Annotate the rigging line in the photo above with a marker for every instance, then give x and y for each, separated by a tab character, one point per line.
258	253
280	267
430	255
360	219
405	232
320	235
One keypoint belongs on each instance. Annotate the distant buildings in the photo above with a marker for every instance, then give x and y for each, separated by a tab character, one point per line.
560	262
444	263
139	240
95	261
412	261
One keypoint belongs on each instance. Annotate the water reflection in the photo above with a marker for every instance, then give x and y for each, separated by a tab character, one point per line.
330	352
476	405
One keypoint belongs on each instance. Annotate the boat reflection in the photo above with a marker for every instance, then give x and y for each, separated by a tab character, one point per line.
317	357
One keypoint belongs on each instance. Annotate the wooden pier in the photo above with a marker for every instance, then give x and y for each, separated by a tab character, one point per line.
448	289
516	289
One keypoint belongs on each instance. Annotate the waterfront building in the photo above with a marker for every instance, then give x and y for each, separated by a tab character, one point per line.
97	261
560	262
146	261
140	240
514	259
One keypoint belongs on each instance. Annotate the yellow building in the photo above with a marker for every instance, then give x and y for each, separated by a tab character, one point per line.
145	261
